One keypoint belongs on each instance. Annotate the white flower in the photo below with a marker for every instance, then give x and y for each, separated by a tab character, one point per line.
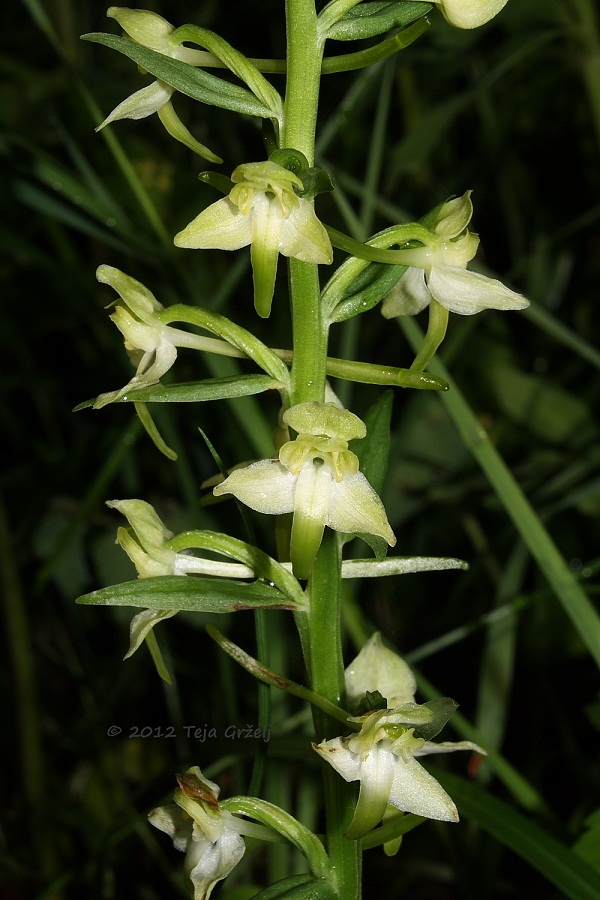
469	13
438	271
152	31
146	544
151	345
382	755
316	477
263	211
209	836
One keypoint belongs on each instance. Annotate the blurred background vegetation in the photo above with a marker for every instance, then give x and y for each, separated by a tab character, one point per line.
513	112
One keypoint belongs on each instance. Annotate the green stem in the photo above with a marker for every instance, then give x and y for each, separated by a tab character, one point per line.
304	56
327	680
309	334
320	629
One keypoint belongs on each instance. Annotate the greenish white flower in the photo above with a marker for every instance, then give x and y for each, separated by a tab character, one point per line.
152	346
152	31
316	478
208	835
438	271
264	211
382	755
146	544
469	13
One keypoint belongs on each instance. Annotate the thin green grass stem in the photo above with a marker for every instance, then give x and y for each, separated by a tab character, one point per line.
541	546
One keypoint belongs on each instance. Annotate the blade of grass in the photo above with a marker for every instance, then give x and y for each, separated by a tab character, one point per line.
560	865
541	546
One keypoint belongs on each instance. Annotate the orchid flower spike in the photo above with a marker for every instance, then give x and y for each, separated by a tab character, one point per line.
152	31
382	755
316	478
438	271
470	13
208	835
264	211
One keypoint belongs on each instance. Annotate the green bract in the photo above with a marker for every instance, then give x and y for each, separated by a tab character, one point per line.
316	477
367	20
438	271
263	211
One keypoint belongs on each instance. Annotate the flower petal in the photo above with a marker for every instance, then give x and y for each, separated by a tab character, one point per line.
415	790
311	505
408	297
467	293
378	669
470	13
356	508
448	747
304	236
455	215
336	753
376	779
220	226
141	104
135	296
208	863
267	225
174	822
265	486
142	624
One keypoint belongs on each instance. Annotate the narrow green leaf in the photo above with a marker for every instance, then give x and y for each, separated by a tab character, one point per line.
182	592
298	887
187	79
574	877
198	391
